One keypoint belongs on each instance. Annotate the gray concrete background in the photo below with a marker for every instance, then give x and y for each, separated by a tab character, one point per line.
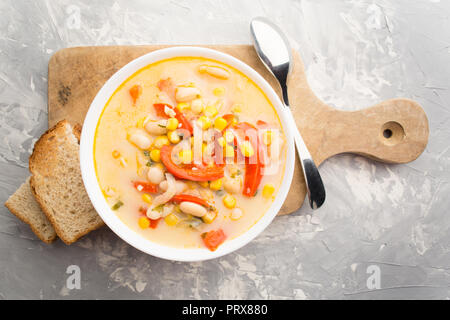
393	217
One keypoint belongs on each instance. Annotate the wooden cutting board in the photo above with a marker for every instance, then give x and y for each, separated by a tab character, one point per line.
394	131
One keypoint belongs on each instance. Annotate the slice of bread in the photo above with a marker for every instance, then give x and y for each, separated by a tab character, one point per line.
23	205
57	184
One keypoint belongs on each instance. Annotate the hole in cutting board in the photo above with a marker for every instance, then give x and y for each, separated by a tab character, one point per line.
392	133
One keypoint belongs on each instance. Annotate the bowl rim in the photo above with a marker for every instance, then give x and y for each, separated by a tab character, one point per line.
93	188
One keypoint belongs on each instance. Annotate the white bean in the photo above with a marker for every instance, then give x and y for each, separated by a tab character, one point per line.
155	174
156	127
153	214
140	140
192	208
232	185
216	72
186	94
180	186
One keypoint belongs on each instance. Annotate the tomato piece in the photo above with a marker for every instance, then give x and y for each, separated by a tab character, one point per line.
189	172
213	239
135	92
146	186
154	223
187	197
185	124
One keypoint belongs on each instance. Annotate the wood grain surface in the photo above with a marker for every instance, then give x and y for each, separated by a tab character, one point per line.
394	131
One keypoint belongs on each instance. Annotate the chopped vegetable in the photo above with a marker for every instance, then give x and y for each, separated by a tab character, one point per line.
154	223
210	216
147	198
172	124
159	107
117	205
220	123
135	92
161	141
219	91
187	197
268	190
190	172
147	187
171	219
229	201
210	111
204	122
253	166
155	155
144	222
213	239
215	185
173	137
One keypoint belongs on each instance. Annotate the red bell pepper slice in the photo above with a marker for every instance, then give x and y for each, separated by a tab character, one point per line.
146	186
213	239
253	166
189	172
187	197
185	124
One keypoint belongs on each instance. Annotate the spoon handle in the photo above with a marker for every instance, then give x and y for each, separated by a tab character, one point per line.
314	185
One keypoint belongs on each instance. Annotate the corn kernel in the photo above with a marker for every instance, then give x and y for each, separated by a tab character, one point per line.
182	106
219	91
215	185
204	184
140	122
209	217
229	136
221	142
161	141
185	156
155	155
172	124
247	149
229	151
267	137
229	201
237	108
147	198
171	219
204	122
173	136
197	106
116	154
210	111
268	190
220	123
144	222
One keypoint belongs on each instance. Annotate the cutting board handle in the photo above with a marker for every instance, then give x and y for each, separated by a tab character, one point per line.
394	131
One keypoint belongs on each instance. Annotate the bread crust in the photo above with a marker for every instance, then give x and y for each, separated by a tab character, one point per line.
39	165
11	207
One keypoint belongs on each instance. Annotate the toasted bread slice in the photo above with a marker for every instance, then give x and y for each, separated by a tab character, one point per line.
57	185
23	205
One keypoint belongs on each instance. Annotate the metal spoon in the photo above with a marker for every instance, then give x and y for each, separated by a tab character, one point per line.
273	49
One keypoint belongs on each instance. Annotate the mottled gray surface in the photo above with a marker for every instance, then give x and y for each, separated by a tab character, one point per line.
356	54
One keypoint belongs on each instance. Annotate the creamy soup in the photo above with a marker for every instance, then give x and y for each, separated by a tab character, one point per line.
189	152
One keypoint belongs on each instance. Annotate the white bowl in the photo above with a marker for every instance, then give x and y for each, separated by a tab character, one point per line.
92	186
